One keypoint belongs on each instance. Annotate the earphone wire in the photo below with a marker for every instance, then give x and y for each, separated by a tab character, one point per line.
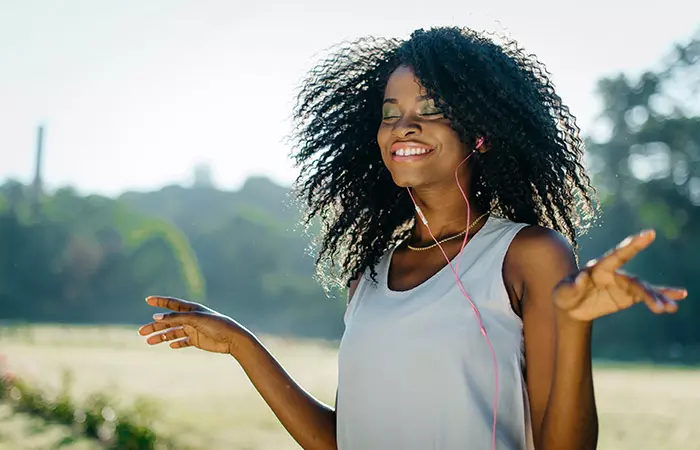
461	286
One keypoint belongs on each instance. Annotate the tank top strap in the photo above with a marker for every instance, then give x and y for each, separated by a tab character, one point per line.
495	242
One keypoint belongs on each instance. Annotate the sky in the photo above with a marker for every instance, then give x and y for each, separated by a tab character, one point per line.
134	93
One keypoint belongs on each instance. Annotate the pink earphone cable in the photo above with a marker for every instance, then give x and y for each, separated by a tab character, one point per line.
461	286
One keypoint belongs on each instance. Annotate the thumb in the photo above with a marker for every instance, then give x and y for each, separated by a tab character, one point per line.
570	291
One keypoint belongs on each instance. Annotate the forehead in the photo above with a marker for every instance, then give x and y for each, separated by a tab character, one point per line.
403	84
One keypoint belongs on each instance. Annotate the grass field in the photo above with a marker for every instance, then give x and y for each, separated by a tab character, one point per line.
205	401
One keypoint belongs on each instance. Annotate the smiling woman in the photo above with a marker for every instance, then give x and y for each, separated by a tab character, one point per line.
405	146
405	102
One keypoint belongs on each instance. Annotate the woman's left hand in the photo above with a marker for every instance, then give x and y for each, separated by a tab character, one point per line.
600	288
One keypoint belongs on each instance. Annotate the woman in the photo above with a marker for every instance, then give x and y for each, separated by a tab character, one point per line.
447	175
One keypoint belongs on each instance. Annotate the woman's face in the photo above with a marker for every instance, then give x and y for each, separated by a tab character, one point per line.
418	146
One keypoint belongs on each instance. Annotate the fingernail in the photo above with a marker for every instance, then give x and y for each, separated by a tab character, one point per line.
625	242
158	316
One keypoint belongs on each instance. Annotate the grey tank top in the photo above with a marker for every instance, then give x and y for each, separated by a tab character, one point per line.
415	372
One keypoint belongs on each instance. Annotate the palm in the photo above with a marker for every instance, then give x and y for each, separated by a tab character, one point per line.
601	288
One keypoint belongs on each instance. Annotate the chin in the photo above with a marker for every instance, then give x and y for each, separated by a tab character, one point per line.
405	180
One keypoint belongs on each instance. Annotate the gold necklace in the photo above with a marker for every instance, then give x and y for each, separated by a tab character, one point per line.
449	238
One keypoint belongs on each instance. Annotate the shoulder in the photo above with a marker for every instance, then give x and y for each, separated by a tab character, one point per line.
538	255
540	243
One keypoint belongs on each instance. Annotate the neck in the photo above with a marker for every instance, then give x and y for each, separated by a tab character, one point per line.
446	213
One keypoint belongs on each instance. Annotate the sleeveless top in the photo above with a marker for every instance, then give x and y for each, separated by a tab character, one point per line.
414	370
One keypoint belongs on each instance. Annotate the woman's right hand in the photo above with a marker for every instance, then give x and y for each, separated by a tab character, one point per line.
191	325
310	422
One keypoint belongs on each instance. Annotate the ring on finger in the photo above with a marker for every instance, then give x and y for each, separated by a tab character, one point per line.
164	337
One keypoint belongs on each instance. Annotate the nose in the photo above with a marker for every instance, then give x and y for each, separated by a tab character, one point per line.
406	127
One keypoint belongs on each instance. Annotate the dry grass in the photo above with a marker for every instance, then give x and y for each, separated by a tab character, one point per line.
206	401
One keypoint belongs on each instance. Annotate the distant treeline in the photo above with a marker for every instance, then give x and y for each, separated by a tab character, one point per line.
94	259
67	258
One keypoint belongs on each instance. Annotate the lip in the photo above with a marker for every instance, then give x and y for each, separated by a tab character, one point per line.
409	144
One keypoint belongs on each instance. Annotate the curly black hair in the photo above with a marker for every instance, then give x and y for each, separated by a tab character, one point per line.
532	172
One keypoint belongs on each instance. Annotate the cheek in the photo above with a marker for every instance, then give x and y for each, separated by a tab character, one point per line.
384	138
450	140
383	135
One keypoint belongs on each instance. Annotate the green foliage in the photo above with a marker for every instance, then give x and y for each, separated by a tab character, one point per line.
94	259
173	239
251	255
87	259
648	175
96	419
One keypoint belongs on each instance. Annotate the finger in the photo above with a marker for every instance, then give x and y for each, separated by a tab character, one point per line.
670	306
667	304
571	290
169	334
625	251
667	293
671	293
175	319
182	343
173	304
152	328
665	297
638	292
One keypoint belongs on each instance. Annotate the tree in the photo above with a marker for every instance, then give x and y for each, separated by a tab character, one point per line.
84	259
648	176
202	176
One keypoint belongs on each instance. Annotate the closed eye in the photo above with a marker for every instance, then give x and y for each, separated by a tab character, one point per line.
432	114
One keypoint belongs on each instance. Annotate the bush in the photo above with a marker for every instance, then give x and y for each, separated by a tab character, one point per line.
96	419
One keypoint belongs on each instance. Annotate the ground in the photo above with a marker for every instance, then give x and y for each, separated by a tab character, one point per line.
204	400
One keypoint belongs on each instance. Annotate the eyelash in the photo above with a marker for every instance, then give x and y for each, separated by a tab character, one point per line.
436	113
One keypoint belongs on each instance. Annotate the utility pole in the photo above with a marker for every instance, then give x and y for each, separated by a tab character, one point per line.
37	188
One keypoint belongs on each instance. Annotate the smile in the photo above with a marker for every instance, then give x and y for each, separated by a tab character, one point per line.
410	153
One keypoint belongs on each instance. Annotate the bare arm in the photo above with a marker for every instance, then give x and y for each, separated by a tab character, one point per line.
557	350
559	304
310	422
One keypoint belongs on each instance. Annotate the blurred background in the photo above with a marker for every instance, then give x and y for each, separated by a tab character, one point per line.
142	152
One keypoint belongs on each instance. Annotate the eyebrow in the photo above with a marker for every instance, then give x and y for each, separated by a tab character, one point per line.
420	98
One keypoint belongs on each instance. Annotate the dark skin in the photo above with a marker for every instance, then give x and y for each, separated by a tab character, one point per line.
556	300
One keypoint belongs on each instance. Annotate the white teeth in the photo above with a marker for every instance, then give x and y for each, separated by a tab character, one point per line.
412	151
